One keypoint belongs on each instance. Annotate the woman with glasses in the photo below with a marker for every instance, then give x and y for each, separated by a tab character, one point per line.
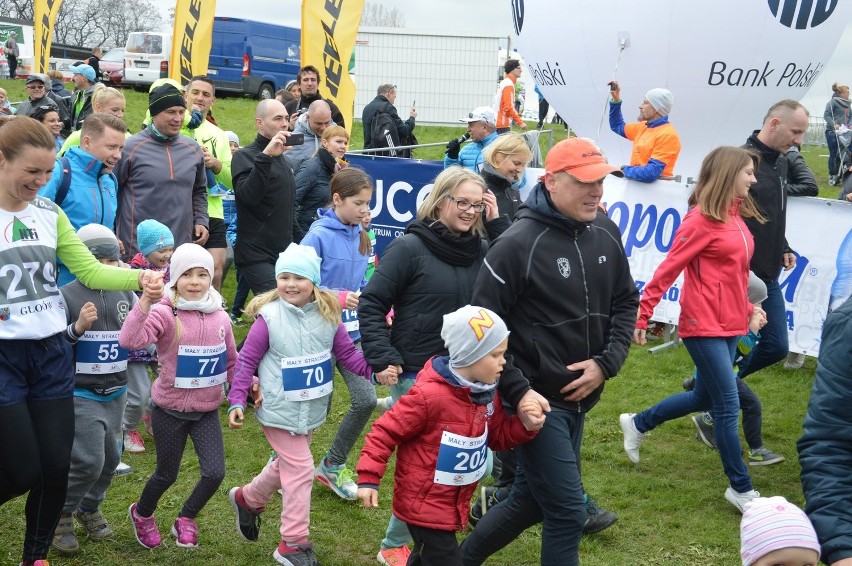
49	116
423	275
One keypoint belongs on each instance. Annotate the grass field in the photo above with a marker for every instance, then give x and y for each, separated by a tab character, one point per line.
671	505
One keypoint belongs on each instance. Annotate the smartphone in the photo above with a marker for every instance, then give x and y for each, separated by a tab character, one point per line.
613	85
295	139
414	104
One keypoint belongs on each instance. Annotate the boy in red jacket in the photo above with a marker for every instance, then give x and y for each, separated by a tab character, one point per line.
442	428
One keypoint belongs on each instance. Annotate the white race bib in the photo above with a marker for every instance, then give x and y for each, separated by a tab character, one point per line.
461	460
201	366
350	319
98	352
307	377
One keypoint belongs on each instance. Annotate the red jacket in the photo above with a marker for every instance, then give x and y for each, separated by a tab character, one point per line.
415	425
716	255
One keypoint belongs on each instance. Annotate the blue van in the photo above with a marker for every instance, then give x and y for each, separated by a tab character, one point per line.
253	58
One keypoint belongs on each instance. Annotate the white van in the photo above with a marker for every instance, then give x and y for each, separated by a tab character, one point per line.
146	57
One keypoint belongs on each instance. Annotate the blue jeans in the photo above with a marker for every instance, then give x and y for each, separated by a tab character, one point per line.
833	149
774	341
715	388
547	489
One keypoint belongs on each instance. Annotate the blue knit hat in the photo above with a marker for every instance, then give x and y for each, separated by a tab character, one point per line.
299	260
152	236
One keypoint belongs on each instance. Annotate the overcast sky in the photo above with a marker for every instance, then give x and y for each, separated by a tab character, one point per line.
485	17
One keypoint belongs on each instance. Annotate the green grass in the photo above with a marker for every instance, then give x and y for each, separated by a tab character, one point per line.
671	505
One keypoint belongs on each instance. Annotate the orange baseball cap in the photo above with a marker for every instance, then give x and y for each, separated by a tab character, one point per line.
580	158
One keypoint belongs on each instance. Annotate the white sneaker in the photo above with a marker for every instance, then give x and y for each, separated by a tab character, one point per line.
133	442
738	499
632	437
794	361
383	404
122	469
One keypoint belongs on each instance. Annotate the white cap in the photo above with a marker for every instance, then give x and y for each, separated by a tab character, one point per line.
481	114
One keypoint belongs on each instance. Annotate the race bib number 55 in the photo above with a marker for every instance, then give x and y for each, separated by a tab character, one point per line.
98	352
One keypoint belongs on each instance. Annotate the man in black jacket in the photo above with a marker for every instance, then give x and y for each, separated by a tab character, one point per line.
265	194
309	79
783	127
384	101
559	277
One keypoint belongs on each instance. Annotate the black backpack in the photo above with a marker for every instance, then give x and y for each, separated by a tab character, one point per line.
383	133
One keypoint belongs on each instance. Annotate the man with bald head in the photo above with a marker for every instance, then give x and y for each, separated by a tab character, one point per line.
783	127
311	124
265	195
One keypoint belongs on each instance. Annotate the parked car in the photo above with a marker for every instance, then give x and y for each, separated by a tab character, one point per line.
113	60
146	57
252	58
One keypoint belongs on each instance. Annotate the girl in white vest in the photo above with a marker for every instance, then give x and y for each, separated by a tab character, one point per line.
196	353
290	347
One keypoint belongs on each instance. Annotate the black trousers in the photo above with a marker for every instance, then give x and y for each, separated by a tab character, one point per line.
433	547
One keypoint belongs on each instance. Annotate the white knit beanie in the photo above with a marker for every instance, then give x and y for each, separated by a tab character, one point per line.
186	257
661	99
773	523
470	333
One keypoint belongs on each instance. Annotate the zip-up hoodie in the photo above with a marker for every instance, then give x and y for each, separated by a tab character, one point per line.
158	326
564	289
112	307
343	267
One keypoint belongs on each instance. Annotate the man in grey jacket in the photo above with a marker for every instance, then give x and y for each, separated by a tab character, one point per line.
312	125
161	176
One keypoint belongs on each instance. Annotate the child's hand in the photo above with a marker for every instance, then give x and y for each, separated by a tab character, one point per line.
235	418
352	300
531	407
369	497
88	315
388	376
256	395
757	320
152	292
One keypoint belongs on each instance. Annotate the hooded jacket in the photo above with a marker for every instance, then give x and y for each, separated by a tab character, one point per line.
508	197
305	101
470	156
836	113
313	142
564	289
312	191
433	406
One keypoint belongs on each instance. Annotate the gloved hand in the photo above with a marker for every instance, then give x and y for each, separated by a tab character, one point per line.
453	149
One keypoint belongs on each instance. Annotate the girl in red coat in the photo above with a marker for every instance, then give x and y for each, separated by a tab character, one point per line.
441	428
714	246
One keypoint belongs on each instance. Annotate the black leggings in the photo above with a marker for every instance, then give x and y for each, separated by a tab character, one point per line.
35	455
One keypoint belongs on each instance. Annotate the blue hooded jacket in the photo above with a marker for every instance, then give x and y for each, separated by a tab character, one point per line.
343	267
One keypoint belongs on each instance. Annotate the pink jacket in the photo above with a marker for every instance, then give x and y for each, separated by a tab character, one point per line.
716	256
198	329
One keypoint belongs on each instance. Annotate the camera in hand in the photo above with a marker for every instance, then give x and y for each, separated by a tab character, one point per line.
295	139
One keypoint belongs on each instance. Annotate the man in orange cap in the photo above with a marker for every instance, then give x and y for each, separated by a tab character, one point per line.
559	278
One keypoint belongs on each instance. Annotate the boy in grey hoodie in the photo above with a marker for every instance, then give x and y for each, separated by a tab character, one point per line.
100	391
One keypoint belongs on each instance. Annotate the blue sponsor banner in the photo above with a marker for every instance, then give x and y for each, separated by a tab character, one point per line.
400	187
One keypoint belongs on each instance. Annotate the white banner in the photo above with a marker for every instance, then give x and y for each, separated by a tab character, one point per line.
817	229
725	61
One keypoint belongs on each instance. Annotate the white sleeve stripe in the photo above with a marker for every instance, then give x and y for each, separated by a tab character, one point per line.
497	277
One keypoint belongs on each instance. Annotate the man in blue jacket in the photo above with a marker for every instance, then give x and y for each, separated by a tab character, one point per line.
89	196
482	130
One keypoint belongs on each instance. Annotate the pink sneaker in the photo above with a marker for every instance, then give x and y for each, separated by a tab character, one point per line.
186	532
145	529
394	556
146	420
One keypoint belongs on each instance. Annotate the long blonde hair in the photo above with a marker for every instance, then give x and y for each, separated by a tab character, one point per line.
715	191
327	303
445	184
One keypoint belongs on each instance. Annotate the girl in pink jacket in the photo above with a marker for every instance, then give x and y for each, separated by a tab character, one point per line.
196	351
713	246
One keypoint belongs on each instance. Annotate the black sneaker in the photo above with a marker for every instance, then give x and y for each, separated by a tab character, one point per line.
248	520
597	518
705	430
236	321
688	384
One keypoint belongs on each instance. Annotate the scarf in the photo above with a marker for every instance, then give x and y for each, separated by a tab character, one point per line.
209	304
458	251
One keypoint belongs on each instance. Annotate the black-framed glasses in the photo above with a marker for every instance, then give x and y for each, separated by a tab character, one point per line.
464	206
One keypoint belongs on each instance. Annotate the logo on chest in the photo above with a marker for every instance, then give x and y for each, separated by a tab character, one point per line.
564	267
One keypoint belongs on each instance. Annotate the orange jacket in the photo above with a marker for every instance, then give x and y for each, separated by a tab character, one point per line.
661	143
505	106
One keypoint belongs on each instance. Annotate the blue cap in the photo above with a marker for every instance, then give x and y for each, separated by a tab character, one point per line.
85	70
152	236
